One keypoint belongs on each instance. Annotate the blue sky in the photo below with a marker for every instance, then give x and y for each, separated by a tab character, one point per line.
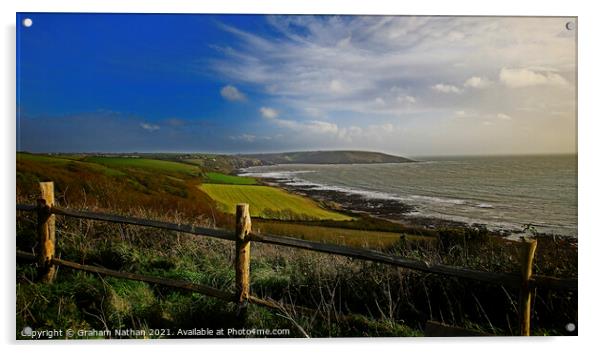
250	83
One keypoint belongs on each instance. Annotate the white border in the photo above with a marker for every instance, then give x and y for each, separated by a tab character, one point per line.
589	160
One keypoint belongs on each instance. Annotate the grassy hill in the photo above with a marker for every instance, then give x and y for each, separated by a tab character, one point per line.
328	157
145	164
120	185
217	162
268	202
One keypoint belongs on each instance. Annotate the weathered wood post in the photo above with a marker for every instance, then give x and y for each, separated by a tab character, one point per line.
46	232
243	257
526	292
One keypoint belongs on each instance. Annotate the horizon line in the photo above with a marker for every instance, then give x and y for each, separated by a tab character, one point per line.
307	151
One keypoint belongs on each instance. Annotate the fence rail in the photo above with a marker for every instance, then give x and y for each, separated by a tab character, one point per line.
183	228
243	236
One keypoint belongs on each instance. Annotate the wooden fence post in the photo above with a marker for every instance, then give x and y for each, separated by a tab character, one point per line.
46	232
526	292
243	256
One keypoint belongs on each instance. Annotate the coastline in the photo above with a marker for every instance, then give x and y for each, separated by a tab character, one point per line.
391	210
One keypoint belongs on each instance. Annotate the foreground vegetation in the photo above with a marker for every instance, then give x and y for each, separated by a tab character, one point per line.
340	236
351	297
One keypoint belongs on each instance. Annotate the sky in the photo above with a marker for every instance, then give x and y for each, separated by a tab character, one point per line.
409	86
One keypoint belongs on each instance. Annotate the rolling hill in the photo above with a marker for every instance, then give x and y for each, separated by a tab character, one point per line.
327	157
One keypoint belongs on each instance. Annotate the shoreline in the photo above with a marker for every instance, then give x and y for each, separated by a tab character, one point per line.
386	209
391	210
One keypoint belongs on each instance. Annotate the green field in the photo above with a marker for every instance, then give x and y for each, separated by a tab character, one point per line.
268	202
37	158
145	164
65	162
341	236
219	178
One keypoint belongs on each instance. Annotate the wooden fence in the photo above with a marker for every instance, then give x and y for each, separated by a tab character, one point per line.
243	236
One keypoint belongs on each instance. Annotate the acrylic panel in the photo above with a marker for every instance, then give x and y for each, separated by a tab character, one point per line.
248	176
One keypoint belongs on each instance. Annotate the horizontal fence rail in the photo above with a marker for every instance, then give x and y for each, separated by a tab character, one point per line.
178	284
243	237
508	279
377	256
210	291
96	216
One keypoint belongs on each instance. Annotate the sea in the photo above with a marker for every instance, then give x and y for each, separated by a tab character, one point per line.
501	192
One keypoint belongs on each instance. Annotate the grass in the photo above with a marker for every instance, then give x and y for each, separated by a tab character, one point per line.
64	162
268	202
341	236
145	164
118	188
215	163
37	158
353	298
78	300
219	178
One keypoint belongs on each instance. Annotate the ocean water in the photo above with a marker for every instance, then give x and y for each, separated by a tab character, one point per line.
503	192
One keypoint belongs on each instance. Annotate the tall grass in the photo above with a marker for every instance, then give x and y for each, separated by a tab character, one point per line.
351	297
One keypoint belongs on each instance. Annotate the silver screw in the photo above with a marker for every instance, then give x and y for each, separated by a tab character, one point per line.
570	25
27	331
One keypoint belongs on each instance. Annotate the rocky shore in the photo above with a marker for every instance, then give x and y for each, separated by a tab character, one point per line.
389	209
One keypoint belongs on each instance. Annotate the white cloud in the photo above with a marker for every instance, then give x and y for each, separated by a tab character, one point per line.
348	134
289	124
342	63
388	128
314	126
321	127
358	71
528	77
454	36
406	99
373	131
314	112
477	82
250	138
244	137
336	86
503	116
149	127
268	113
445	88
232	93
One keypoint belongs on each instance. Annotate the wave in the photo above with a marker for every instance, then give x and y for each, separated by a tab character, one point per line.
485	205
284	175
377	195
289	178
440	200
472	198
